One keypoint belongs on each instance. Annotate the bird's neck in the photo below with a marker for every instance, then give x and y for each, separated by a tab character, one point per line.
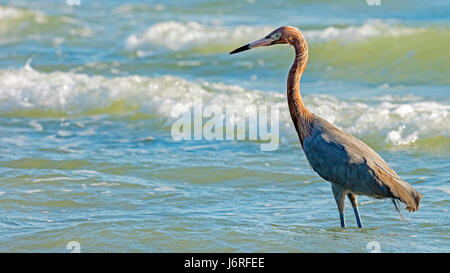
300	115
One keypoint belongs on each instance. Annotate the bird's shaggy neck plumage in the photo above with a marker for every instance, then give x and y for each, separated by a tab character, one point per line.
300	115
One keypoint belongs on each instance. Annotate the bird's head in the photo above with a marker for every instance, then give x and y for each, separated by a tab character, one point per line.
281	35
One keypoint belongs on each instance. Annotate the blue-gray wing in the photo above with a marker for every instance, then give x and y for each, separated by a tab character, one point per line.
344	160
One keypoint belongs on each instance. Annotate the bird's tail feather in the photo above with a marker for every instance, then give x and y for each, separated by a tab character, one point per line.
406	194
394	201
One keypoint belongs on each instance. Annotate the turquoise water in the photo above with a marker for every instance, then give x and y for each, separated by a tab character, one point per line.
87	95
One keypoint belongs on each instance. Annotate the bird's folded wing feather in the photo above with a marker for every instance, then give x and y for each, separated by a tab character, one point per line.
344	160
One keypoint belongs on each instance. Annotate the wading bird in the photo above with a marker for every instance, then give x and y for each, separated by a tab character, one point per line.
351	166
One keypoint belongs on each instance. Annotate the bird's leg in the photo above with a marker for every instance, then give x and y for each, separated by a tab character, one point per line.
339	196
353	200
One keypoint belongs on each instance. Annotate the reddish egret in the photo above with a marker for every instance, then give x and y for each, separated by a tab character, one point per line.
351	166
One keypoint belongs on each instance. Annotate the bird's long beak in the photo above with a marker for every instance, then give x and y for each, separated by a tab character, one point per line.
260	42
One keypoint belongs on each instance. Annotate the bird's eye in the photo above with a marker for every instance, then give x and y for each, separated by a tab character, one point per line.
276	36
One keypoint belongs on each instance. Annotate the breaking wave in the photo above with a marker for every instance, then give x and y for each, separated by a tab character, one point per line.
185	35
374	52
27	92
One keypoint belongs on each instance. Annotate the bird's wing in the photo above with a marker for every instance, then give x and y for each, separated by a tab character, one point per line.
343	159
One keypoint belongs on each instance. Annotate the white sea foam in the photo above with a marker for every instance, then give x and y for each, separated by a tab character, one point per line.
36	125
10	20
177	35
164	188
396	121
104	184
445	189
395	136
12	13
33	191
18	24
369	29
51	179
86	172
405	122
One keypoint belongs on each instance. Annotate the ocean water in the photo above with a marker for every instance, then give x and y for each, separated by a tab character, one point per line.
87	99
